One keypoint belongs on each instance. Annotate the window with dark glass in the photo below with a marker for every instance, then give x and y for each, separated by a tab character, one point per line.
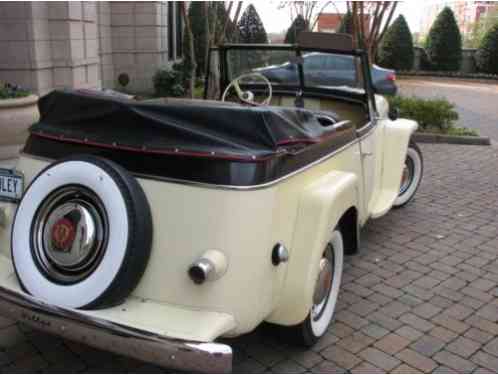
171	30
179	31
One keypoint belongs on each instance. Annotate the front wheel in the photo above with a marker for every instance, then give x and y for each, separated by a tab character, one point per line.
412	175
325	294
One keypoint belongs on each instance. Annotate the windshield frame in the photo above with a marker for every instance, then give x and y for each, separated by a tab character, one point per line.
367	97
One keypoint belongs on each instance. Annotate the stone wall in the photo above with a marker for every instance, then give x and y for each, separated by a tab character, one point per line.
49	45
468	64
83	44
139	41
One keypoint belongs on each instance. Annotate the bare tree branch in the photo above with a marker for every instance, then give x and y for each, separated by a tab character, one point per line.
378	5
388	22
221	38
320	12
355	23
362	22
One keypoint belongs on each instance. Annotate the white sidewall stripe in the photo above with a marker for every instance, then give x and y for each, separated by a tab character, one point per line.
417	175
320	326
86	291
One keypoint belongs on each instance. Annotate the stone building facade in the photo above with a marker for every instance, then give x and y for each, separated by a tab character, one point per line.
87	44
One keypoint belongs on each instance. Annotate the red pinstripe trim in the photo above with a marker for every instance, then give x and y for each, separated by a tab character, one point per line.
213	155
156	151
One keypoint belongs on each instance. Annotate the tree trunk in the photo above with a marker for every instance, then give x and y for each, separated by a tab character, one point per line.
193	67
208	34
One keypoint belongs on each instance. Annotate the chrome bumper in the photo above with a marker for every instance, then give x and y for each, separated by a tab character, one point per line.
106	335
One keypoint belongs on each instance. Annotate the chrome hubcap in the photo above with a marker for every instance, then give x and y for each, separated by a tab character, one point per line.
407	176
323	284
69	234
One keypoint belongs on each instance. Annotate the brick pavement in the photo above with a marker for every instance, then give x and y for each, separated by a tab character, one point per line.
422	295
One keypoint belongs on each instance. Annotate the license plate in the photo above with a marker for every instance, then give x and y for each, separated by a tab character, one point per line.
11	185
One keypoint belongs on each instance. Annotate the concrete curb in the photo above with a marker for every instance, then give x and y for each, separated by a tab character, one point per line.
487	81
451	139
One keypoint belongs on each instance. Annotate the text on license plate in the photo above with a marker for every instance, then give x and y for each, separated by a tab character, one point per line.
11	186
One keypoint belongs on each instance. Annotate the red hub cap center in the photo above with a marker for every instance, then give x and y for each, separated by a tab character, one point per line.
63	234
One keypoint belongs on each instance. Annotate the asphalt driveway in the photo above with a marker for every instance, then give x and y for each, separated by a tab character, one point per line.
420	297
476	103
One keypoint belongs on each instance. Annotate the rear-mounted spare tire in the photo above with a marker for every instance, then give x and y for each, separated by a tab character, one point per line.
82	234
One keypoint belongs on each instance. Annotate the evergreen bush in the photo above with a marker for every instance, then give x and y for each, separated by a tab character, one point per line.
298	25
487	55
396	50
251	29
444	42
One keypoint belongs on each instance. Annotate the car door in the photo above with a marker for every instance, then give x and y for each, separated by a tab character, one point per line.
370	158
370	136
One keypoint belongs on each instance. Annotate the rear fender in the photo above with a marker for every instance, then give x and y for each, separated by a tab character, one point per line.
321	206
395	145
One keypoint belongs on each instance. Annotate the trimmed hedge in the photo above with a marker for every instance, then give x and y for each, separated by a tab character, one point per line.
430	114
462	75
444	42
396	50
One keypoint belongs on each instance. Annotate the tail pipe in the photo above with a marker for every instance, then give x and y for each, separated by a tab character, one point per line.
211	266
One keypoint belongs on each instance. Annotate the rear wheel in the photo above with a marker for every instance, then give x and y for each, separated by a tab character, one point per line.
325	294
411	176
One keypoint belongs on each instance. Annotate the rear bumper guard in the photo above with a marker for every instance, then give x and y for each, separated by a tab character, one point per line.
103	334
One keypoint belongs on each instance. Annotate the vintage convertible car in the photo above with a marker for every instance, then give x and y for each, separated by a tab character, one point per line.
154	228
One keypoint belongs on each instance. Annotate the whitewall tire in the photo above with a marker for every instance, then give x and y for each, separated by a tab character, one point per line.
412	175
82	234
325	295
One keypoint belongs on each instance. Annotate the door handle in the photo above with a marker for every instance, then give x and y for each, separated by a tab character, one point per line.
365	154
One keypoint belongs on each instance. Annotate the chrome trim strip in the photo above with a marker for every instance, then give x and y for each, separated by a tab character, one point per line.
240	188
106	335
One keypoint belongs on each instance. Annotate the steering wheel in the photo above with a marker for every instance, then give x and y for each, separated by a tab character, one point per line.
248	96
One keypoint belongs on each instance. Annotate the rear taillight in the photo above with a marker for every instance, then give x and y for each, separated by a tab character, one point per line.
391	77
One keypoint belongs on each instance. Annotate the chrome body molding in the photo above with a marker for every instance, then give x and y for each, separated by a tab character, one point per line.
103	334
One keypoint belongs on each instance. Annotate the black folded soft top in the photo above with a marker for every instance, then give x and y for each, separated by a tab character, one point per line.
219	130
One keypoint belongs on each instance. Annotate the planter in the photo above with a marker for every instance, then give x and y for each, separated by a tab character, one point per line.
16	116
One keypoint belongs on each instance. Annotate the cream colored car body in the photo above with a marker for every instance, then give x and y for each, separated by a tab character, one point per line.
298	211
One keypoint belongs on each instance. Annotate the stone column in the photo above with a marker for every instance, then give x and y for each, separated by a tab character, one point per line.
49	45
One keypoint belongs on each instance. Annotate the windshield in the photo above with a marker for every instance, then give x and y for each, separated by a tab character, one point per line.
280	67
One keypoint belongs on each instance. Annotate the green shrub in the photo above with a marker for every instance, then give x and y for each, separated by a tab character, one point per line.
8	91
425	63
430	114
444	42
487	54
396	51
169	82
461	75
298	25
